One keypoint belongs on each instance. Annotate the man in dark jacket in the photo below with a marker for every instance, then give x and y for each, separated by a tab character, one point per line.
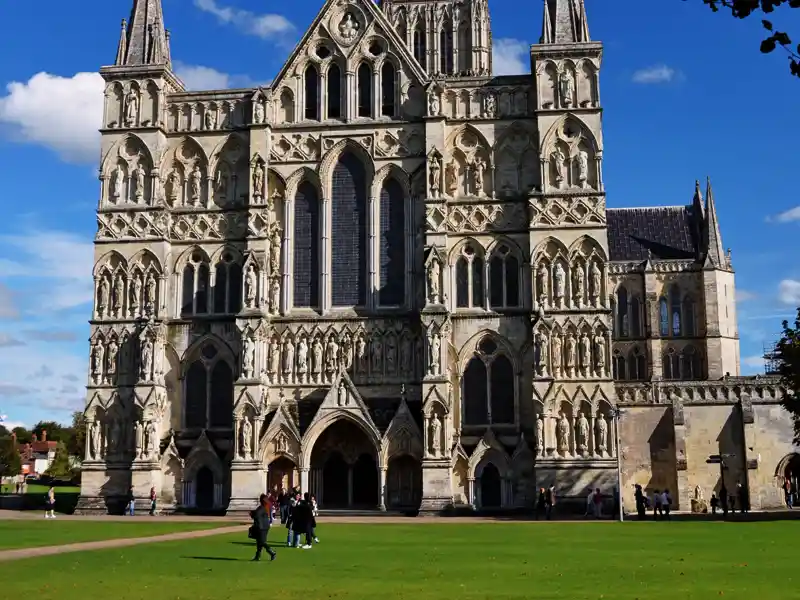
261	522
303	521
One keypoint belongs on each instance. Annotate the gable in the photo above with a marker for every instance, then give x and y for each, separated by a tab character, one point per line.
346	31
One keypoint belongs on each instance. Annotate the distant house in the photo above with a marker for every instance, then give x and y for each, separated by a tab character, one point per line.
38	455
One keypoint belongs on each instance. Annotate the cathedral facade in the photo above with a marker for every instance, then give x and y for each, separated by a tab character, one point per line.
391	278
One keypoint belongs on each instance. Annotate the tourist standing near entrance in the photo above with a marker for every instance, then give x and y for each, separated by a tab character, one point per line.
641	502
262	519
152	501
50	504
550	501
314	513
131	502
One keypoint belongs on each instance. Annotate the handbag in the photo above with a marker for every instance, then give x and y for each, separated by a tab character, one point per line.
251	533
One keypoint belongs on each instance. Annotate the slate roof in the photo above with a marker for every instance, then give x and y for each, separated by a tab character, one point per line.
667	232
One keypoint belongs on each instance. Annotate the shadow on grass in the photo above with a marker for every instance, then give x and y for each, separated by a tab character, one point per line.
216	558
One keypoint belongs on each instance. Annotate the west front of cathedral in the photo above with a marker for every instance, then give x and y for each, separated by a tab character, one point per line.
391	278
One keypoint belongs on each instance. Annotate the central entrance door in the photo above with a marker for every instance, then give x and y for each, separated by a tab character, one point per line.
204	489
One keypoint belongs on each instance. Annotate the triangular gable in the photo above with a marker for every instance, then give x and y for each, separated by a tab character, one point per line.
171	453
203	445
436	396
600	396
282	420
244	401
522	450
403	435
488	444
343	397
336	11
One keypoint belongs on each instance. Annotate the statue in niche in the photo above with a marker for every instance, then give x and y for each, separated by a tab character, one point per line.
247	439
258	113
131	108
361	352
405	356
136	294
436	175
540	434
113	437
281	444
316	356
348	28
342	396
570	362
698	493
138	184
146	366
600	354
451	179
586	351
117	183
173	187
347	352
577	284
559	279
248	357
542	276
288	358
103	295
558	158
274	356
272	200
151	435
436	435
195	183
601	432
221	185
150	292
98	355
111	357
258	180
377	355
138	436
95	450
211	119
478	167
434	104
583	433
391	354
250	287
595	277
542	345
557	356
562	431
583	168
302	356
434	277
435	354
275	295
275	251
119	295
489	106
566	86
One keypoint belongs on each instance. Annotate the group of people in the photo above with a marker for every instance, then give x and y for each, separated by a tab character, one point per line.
790	492
660	502
298	513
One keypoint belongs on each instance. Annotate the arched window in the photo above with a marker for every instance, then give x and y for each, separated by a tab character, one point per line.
622	321
334	92
388	86
663	317
469	279
349	233
671	365
635	311
503	279
392	234
675	310
195	286
446	48
307	237
421	46
227	285
464	48
637	367
489	388
691	364
312	93
688	317
620	371
364	90
209	391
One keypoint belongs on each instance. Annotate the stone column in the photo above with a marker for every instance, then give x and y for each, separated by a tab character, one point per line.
382	491
304	479
325	262
372	252
377	95
471	492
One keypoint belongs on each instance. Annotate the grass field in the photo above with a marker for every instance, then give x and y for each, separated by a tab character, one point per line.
31	534
41	489
497	561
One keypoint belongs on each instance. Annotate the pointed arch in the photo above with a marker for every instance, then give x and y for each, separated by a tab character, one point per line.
467	262
488	366
207	372
146	260
579	126
393	216
127	147
332	157
364	87
467	128
550	247
505	264
303	174
188	255
110	262
587	247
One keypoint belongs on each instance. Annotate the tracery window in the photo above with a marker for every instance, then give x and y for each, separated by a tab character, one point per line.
446	48
627	315
622	321
464	48
692	367
663	317
671	365
364	90
311	80
421	46
637	365
488	387
504	286
227	285
306	240
392	240
196	276
470	279
619	366
349	233
334	92
209	391
675	310
388	90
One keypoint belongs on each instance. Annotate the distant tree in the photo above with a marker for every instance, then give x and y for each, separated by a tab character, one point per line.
4	433
787	353
23	435
742	9
56	432
10	460
60	467
77	438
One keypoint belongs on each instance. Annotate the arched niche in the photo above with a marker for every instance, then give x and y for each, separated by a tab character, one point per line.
572	156
230	173
127	173
185	175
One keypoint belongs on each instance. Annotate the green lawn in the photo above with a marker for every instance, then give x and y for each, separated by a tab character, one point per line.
30	533
41	489
497	561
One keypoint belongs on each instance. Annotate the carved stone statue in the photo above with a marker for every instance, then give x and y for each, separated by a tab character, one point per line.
601	433
599	354
248	357
136	294
119	295
406	364
131	108
586	351
434	104
557	158
566	87
138	184
117	183
274	356
341	394
582	441
540	435
435	345
377	355
478	168
221	185
562	433
247	439
150	292
103	294
570	347
489	106
258	113
111	357
275	295
95	450
211	119
391	354
559	279
316	356
347	352
250	287
436	435
151	444
113	437
435	168
195	182
275	242
434	278
583	167
332	355
173	187
595	278
98	354
361	352
288	358
451	179
544	357
258	180
542	284
146	365
302	356
348	28
578	290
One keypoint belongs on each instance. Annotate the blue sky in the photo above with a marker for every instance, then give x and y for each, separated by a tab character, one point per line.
686	95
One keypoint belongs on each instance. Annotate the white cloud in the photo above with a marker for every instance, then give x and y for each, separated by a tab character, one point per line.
7	341
753	361
655	74
510	57
198	77
8	305
793	214
13	424
264	26
744	295
60	113
789	292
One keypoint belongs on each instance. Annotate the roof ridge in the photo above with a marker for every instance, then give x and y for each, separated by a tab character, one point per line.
681	206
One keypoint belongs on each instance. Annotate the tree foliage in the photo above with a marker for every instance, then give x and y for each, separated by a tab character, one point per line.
787	353
55	431
60	467
23	435
10	460
742	9
76	443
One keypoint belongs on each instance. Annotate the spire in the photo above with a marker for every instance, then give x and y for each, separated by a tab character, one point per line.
697	200
122	47
715	255
146	41
564	22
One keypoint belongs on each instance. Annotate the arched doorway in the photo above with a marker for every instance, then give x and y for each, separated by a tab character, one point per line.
790	471
491	487
282	474
404	483
204	489
344	469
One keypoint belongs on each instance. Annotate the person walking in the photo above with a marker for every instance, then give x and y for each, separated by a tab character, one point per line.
641	502
152	501
549	502
291	539
131	502
50	504
302	522
744	500
314	514
723	500
540	504
262	520
656	504
666	503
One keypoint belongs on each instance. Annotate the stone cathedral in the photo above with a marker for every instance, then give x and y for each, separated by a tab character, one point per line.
391	278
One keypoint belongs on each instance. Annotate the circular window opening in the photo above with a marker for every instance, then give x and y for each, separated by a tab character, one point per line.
323	52
375	49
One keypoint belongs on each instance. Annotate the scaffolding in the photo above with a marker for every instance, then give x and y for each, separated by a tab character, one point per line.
771	360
